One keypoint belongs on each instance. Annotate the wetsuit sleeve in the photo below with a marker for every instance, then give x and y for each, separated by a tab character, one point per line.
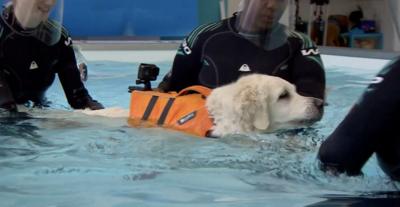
68	73
308	72
371	126
7	101
187	64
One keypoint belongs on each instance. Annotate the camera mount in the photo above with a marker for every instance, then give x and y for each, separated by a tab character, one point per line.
146	74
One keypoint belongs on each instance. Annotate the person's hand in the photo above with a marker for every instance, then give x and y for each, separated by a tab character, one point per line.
11	113
94	105
8	107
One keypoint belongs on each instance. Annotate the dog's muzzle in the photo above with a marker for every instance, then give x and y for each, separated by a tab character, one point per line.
317	110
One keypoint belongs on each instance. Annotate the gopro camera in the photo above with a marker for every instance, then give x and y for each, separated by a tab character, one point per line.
146	74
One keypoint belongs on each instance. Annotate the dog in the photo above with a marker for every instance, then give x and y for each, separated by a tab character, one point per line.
262	104
255	103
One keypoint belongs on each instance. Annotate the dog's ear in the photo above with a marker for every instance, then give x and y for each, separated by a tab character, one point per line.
261	117
251	104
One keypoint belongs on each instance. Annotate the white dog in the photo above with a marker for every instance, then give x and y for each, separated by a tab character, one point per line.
260	103
254	103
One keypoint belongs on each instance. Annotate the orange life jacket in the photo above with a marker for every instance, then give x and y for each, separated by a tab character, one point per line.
184	111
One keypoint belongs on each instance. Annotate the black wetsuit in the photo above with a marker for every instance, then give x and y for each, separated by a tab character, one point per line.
28	68
216	54
370	127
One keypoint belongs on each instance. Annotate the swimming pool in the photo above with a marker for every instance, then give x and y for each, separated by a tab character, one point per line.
65	158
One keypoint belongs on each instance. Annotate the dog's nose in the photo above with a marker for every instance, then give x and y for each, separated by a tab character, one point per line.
318	110
319	103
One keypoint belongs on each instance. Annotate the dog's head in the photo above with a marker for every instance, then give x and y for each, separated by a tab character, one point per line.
265	103
277	105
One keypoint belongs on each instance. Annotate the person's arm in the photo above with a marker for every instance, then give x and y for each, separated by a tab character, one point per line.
187	64
7	101
308	72
371	126
68	73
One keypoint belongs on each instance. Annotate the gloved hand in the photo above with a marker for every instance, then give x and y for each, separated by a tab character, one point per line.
10	113
41	102
82	100
94	105
7	102
9	107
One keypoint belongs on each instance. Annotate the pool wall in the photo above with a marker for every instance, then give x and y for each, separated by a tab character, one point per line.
115	45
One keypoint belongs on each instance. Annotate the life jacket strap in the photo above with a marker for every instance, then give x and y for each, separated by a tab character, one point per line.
195	89
149	108
165	112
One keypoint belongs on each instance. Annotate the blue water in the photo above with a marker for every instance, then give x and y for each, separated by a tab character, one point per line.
65	158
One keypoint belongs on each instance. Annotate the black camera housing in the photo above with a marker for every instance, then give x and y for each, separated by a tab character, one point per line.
146	74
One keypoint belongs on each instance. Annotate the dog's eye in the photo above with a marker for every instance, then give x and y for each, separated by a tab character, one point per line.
284	95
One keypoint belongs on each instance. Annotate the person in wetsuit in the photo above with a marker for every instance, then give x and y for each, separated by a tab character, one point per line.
371	126
252	41
34	47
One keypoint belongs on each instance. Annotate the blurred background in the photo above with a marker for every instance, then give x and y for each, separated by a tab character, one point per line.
137	19
328	22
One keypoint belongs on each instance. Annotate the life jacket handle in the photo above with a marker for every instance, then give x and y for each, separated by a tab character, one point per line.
195	89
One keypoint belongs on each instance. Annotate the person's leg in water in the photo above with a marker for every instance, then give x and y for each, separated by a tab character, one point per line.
368	128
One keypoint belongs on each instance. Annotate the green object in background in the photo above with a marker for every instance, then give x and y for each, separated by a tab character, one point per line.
209	11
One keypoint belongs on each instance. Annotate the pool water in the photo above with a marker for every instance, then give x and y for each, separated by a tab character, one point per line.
66	158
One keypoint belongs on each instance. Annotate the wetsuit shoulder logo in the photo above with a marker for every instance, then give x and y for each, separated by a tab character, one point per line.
68	42
310	51
245	68
377	80
33	66
186	48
